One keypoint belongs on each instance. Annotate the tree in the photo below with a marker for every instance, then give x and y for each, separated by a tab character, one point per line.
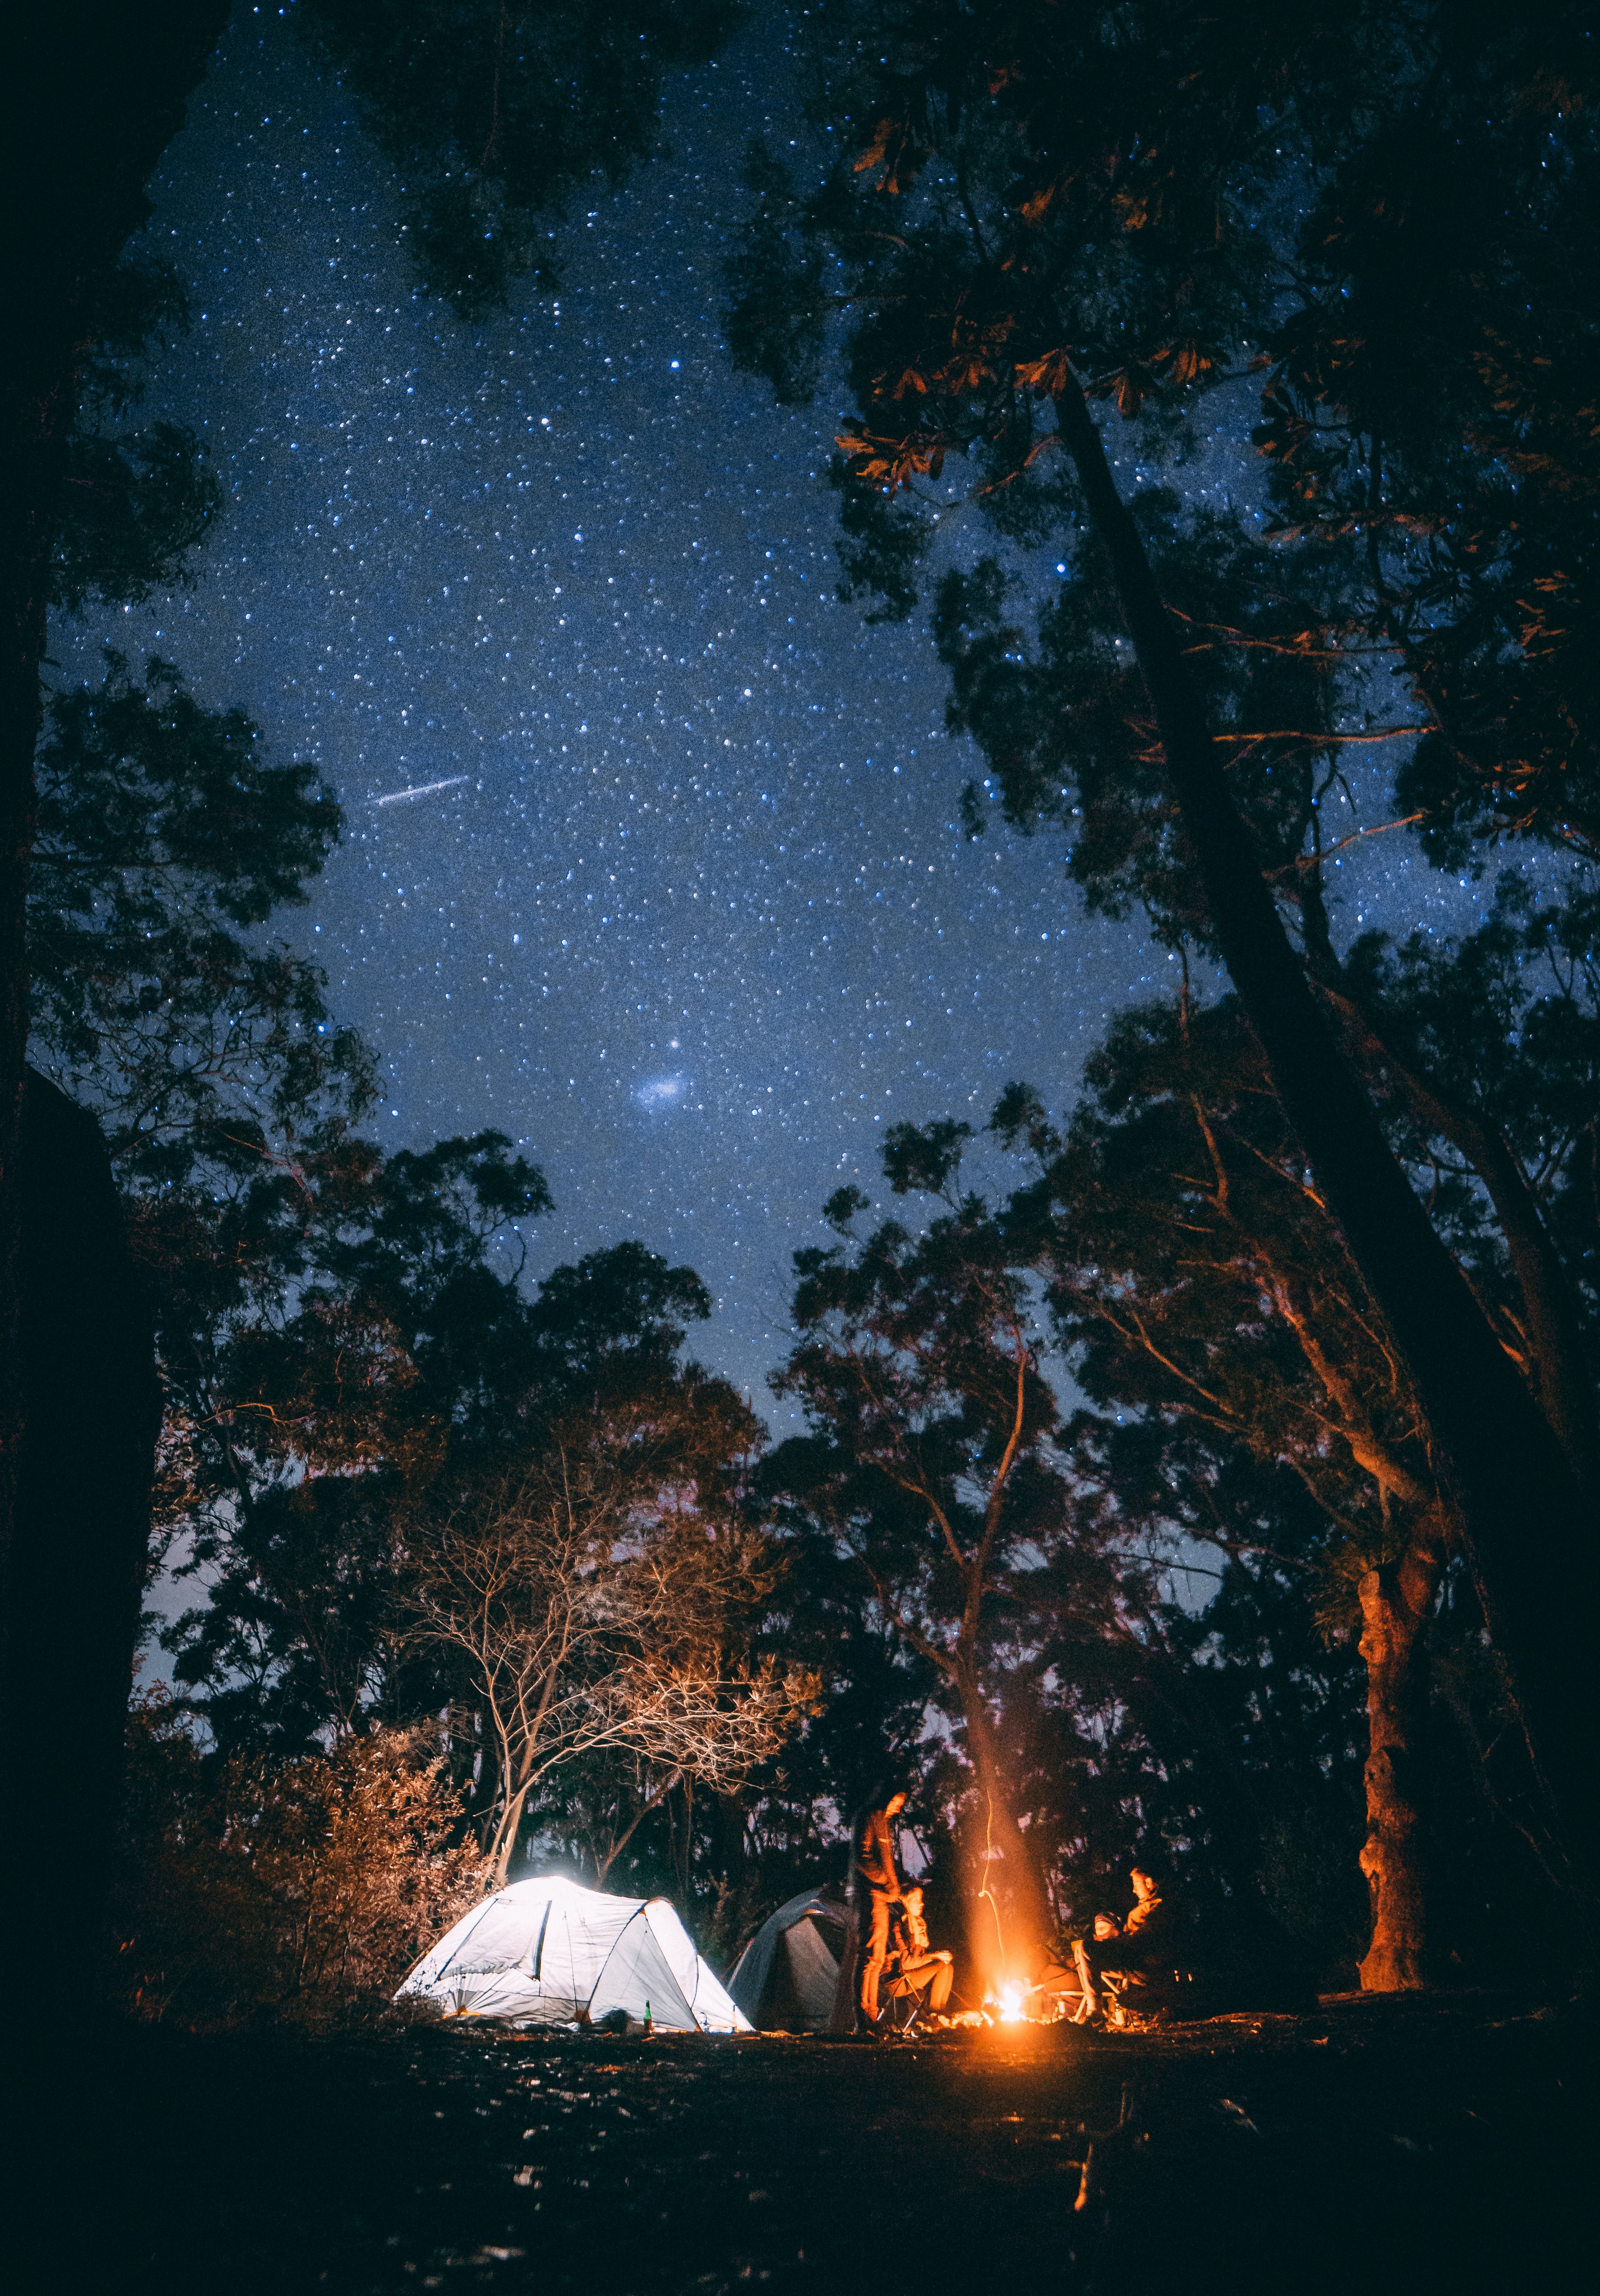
496	116
92	1410
375	1431
135	500
609	1330
1057	209
591	1589
361	1326
298	1891
1239	1391
929	1464
97	94
157	1014
1197	1279
1483	1053
80	169
165	836
94	96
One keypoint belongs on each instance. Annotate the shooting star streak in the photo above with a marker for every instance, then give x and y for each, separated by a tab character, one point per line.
422	789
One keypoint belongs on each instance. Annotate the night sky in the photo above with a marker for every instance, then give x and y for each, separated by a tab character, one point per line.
653	859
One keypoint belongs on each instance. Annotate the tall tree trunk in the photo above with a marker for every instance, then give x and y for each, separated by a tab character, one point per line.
95	90
1011	1924
92	1410
1561	1377
1530	1538
89	1412
1397	1609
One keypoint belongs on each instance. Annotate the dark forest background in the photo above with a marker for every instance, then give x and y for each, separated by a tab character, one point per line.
1137	1513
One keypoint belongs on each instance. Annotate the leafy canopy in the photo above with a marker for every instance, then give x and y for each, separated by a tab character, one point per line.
1387	215
498	112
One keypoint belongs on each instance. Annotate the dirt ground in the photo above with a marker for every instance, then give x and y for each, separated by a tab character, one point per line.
1432	2143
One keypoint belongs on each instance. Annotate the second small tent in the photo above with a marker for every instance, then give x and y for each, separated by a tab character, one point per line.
788	1976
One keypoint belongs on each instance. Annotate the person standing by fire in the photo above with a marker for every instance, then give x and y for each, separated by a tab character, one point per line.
874	1885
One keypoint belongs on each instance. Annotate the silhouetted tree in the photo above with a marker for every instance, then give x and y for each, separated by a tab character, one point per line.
1198	1280
1049	206
94	92
497	115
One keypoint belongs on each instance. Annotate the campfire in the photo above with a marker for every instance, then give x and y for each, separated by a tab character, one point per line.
1014	2002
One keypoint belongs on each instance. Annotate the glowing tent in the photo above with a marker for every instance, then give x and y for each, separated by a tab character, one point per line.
546	1952
788	1976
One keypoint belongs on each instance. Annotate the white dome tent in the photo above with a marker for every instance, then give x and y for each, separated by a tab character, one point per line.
547	1952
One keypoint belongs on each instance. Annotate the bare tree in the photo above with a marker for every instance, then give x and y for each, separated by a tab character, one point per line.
597	1604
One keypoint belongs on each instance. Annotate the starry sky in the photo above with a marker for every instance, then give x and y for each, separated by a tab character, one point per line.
653	858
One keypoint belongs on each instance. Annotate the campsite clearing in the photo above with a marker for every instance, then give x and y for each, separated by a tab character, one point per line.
1447	2137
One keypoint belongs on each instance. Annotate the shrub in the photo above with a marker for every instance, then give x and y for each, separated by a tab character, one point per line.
298	1890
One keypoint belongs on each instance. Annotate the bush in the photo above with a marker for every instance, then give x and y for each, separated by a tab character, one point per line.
253	1889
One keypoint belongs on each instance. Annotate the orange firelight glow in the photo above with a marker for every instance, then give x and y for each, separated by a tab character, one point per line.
1011	2001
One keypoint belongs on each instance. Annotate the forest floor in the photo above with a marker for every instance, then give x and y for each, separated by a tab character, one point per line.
1434	2142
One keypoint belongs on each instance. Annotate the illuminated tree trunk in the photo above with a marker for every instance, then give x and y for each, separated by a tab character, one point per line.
504	1842
1529	1535
1397	1608
1011	1925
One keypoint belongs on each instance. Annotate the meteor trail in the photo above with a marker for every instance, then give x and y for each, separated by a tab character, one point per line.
422	789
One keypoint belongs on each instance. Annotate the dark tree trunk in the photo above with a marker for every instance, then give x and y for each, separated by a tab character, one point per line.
91	1414
95	90
1397	1609
1530	1538
1561	1376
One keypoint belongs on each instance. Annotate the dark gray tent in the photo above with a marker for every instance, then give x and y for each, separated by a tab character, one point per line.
787	1976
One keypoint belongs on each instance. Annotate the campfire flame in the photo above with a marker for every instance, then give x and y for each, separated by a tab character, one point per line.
1009	2000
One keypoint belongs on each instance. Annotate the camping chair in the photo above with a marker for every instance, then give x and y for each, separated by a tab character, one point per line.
901	2003
902	2008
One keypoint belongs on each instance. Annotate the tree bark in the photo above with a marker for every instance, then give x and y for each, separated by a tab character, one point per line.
1011	1926
97	91
92	1410
1397	1608
653	1800
1562	1378
1528	1537
504	1843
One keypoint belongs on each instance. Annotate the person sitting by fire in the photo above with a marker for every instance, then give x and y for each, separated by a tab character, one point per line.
875	1888
1150	1923
912	1966
1076	1968
1124	1957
